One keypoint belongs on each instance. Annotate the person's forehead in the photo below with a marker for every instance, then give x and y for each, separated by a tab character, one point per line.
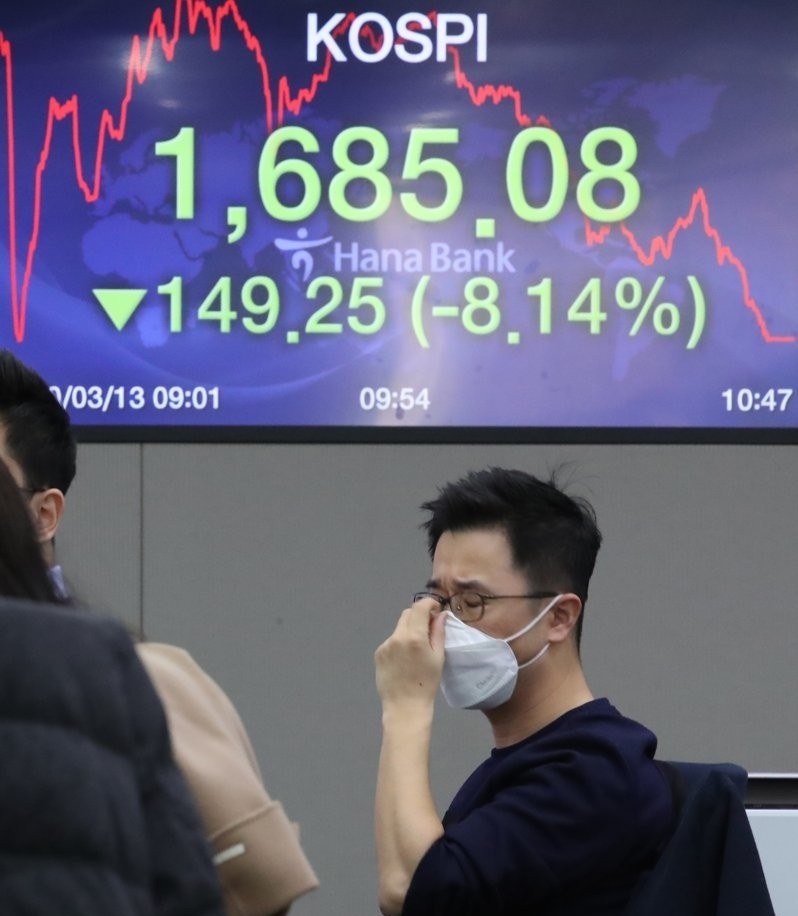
473	555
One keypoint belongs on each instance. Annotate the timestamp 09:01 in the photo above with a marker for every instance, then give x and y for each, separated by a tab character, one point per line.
105	398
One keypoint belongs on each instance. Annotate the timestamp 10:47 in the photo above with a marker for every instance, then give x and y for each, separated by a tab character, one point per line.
750	400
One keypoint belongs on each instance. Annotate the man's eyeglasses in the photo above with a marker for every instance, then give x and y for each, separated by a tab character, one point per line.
468	605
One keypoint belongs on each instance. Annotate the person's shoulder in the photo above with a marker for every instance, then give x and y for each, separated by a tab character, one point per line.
605	719
173	665
593	729
65	633
189	694
601	724
163	655
78	671
594	715
597	716
33	615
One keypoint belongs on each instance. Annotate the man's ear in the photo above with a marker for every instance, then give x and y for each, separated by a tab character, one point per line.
565	614
47	507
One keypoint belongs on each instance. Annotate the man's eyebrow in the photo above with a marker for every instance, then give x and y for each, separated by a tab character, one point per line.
474	585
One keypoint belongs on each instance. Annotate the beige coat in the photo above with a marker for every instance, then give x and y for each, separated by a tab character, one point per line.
260	863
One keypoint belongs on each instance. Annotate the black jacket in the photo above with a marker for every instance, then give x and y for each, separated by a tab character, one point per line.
711	865
95	819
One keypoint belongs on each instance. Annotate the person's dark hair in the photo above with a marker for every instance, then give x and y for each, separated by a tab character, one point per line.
37	428
23	571
553	537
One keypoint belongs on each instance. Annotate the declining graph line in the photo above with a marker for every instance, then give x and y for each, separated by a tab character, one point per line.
663	246
188	14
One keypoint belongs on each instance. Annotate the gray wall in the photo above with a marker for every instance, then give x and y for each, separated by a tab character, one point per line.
281	568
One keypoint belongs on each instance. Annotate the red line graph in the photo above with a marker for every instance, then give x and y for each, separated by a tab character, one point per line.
188	15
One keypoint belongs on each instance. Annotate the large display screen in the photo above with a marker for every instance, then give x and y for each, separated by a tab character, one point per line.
281	220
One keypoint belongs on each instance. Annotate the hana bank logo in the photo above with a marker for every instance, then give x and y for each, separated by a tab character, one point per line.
414	38
299	249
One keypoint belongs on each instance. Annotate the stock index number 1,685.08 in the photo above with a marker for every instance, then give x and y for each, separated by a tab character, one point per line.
607	155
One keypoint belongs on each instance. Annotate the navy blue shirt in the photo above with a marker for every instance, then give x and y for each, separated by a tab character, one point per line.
564	822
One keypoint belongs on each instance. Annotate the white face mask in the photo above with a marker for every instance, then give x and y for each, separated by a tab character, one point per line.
480	671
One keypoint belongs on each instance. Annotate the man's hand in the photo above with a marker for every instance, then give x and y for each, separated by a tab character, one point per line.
409	663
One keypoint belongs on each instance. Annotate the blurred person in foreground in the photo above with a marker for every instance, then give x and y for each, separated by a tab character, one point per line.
259	859
570	809
95	817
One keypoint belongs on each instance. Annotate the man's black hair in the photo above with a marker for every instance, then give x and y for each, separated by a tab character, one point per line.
37	429
553	537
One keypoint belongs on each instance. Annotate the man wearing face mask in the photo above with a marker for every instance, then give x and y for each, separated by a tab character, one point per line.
569	810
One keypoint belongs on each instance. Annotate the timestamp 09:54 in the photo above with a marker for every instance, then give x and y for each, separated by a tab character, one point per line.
401	400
